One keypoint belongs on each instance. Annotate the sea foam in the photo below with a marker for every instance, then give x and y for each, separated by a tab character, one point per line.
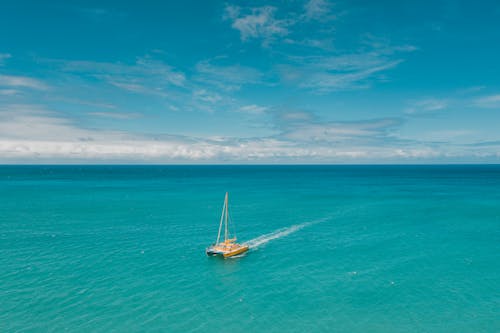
280	233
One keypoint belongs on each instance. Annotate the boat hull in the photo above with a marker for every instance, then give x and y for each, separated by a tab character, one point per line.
241	250
227	253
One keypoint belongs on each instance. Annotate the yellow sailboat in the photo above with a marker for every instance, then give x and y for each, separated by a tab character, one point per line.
228	247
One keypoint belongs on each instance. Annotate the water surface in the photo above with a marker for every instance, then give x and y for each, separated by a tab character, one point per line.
335	249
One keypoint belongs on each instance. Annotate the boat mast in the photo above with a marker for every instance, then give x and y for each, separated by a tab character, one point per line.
224	209
226	204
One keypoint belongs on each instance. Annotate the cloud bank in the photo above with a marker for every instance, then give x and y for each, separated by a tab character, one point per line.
30	132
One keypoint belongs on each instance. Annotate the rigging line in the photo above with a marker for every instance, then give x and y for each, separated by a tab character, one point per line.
220	225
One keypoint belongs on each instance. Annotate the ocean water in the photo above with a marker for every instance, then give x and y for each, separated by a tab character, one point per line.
333	249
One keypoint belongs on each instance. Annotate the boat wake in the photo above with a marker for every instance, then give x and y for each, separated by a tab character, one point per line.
280	233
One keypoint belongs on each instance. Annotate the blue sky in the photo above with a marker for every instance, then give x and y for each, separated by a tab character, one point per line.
310	81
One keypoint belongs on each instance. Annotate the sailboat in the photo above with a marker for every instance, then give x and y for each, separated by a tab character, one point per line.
228	247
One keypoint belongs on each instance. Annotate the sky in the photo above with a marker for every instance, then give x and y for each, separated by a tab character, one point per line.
249	82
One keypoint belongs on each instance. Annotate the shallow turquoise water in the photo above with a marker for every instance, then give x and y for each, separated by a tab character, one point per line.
348	249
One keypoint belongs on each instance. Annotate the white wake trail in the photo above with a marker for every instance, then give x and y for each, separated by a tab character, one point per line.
280	233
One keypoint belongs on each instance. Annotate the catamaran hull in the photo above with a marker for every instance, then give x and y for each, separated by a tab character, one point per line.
227	254
236	252
213	253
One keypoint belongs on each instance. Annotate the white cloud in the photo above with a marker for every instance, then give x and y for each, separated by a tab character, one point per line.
491	101
87	103
321	43
253	109
29	133
257	22
458	135
327	74
115	115
138	88
205	96
263	23
149	150
339	131
383	45
317	9
295	116
32	122
427	105
21	82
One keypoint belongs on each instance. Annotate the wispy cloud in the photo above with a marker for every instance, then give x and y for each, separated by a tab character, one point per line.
491	101
227	77
9	92
34	122
12	81
206	96
259	22
325	43
446	135
322	69
318	10
285	118
208	87
462	98
86	103
323	74
427	105
146	75
3	57
312	130
115	115
253	109
269	23
383	45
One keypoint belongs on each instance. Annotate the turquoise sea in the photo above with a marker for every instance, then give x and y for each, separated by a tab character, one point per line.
334	249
